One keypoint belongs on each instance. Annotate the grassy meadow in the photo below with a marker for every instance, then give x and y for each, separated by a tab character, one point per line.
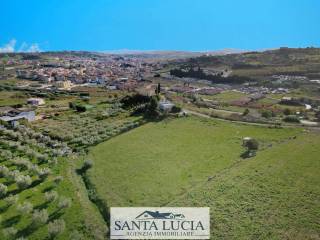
158	162
196	162
274	195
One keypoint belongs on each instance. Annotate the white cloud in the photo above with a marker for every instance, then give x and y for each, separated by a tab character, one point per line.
24	47
34	47
9	47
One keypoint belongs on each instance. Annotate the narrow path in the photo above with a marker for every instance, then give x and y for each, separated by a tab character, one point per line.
93	220
316	128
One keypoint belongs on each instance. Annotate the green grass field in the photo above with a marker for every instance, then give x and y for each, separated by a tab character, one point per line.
227	96
156	163
12	98
274	195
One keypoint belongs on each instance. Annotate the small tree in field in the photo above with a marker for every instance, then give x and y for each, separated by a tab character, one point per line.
245	112
23	181
4	171
25	208
87	165
12	199
56	227
287	111
64	203
39	217
10	233
252	144
3	190
51	196
44	173
58	179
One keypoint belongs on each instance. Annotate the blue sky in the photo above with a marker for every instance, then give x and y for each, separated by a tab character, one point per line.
99	25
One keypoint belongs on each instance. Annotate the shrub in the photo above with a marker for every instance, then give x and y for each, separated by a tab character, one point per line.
72	105
12	175
22	163
87	164
12	199
44	173
245	112
252	144
25	208
266	114
23	181
10	232
175	109
287	111
75	235
39	217
56	227
43	158
58	179
4	171
3	190
64	203
51	196
80	108
292	119
34	170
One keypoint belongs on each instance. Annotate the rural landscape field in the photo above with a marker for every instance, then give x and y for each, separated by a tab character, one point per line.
160	119
70	151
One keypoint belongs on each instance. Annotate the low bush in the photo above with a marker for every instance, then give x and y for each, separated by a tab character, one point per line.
291	119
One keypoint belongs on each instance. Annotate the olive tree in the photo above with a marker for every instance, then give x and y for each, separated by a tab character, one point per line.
58	179
23	181
39	217
56	227
3	190
51	196
4	171
10	232
43	173
64	203
25	208
12	199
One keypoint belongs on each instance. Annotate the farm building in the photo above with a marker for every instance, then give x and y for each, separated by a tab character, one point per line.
36	101
165	105
14	120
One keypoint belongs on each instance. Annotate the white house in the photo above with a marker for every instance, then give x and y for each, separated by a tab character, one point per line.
165	105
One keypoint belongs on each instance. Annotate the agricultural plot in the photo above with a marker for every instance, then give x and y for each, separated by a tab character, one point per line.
274	195
36	198
227	96
160	161
89	128
12	98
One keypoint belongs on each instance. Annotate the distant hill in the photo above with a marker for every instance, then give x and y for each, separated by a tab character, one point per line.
290	61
